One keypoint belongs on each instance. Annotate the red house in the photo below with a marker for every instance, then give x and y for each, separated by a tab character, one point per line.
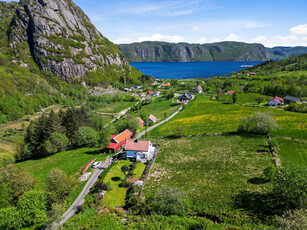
230	92
117	141
150	93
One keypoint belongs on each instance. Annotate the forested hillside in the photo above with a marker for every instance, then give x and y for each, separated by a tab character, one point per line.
220	51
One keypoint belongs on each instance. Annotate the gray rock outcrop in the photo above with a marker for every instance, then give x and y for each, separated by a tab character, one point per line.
62	39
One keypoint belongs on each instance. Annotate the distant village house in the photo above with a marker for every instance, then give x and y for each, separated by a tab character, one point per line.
289	99
152	118
274	101
141	122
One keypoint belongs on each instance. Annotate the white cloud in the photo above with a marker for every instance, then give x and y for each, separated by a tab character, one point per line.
278	40
202	40
160	37
260	39
232	37
155	37
299	30
251	25
195	28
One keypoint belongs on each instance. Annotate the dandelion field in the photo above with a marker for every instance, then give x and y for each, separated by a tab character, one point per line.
205	116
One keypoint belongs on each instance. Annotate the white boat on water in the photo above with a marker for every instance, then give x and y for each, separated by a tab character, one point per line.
246	66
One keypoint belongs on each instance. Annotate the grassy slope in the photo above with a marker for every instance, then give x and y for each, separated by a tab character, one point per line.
212	171
115	197
159	106
116	107
72	162
205	116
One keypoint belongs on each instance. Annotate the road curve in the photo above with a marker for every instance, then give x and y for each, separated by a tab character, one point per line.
160	123
80	199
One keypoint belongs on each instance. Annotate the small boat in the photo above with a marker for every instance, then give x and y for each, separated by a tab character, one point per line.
246	66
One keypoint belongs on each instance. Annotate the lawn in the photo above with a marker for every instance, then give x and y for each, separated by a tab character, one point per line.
213	171
116	107
160	106
72	162
116	197
139	169
247	98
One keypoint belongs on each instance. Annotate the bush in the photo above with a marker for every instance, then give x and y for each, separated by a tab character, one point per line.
294	220
270	172
86	136
59	140
259	123
47	148
291	186
169	201
6	159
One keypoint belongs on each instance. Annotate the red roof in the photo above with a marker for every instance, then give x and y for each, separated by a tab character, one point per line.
122	136
137	146
112	145
230	91
141	121
279	98
152	117
150	92
167	85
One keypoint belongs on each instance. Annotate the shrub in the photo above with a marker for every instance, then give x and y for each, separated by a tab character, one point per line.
169	201
259	123
47	148
291	186
6	159
270	172
294	220
86	136
59	140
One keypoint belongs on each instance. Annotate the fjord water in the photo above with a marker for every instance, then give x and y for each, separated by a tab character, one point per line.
185	70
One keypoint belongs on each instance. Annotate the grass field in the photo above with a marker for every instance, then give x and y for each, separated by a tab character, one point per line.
116	197
72	162
247	98
116	107
205	116
160	106
213	171
139	169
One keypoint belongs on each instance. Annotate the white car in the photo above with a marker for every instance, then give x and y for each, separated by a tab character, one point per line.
96	164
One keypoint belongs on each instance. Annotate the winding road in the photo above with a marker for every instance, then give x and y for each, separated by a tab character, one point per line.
80	199
158	124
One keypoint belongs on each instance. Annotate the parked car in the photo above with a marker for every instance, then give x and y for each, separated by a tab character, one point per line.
96	164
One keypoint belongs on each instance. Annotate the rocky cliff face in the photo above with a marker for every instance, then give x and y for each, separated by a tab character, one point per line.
62	39
183	52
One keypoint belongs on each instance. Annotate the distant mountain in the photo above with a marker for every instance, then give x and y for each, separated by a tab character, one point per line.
220	51
281	52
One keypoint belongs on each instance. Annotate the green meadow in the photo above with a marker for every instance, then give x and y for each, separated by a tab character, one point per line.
72	162
214	171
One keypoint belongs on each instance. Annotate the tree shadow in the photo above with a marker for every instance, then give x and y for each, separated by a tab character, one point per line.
94	152
115	179
258	204
258	180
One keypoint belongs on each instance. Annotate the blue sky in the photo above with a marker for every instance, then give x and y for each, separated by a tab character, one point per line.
270	22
